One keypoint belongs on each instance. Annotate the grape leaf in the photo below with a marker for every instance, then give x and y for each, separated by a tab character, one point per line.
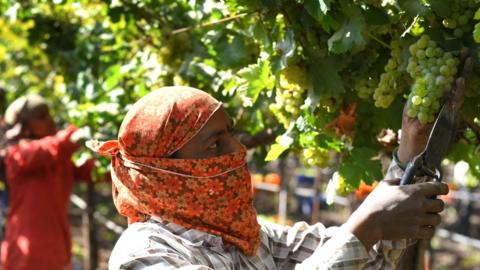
233	52
359	165
325	77
413	7
349	35
256	77
275	151
466	152
318	8
441	7
283	142
477	15
376	16
260	33
476	33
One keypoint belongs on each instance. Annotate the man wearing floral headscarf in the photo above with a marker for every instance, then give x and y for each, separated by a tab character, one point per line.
180	178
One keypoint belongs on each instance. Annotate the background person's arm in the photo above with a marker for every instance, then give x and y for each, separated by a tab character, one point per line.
29	156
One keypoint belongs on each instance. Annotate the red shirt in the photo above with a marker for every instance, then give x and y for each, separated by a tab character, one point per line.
40	176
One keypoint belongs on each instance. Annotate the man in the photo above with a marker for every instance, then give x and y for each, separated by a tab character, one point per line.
40	175
180	177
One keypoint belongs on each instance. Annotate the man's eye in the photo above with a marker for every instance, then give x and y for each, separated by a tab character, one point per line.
213	145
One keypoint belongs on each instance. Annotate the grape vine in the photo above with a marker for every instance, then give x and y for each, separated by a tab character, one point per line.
291	68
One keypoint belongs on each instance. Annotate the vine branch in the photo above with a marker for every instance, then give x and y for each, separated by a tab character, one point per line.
205	25
379	41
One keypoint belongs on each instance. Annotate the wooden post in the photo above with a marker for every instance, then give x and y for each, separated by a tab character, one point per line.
315	199
88	231
283	194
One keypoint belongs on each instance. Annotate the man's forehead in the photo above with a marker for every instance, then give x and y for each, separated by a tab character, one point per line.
219	121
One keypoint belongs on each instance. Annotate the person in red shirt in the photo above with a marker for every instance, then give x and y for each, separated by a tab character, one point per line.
39	174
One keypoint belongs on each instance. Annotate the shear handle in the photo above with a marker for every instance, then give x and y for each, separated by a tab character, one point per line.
413	169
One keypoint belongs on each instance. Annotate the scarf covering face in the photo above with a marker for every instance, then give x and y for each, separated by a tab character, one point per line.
211	195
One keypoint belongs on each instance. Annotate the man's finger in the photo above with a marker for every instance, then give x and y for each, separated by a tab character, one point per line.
430	220
467	68
425	232
463	54
434	205
458	96
430	189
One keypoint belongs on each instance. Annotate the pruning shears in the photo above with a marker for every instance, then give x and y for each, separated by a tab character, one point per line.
443	132
428	162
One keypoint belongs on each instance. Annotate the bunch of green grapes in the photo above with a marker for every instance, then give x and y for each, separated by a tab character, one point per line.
392	81
459	21
433	71
315	157
290	94
365	87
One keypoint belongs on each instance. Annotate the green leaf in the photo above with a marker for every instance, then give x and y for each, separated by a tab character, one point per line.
466	152
283	142
113	77
328	142
417	29
349	35
256	77
441	7
477	15
476	33
260	34
361	165
308	139
413	7
318	8
325	77
275	151
234	52
376	16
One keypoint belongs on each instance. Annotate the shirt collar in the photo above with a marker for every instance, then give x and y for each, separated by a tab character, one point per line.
195	237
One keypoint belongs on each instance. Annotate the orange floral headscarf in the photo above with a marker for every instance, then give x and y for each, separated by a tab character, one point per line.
211	195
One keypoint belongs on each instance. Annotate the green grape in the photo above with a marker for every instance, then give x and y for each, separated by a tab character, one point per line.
289	95
392	81
412	112
365	87
315	157
416	100
433	74
460	21
449	23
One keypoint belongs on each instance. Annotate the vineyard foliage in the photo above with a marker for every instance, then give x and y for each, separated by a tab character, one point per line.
327	76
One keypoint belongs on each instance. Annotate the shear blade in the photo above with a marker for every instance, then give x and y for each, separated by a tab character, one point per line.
440	137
